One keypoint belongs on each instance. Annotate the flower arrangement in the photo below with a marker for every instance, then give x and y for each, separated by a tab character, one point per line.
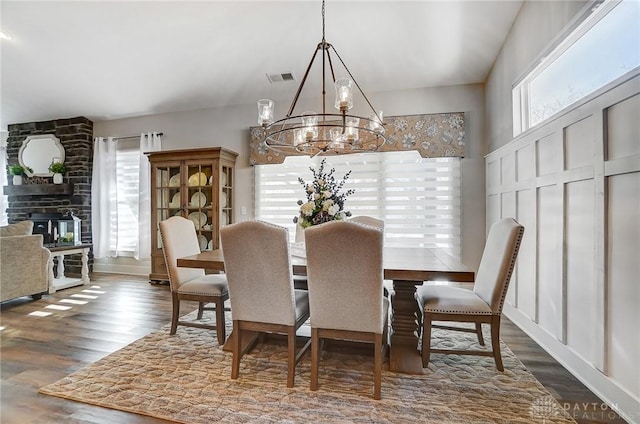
324	202
57	168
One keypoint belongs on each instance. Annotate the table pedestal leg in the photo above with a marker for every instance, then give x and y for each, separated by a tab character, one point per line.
60	273
404	355
85	266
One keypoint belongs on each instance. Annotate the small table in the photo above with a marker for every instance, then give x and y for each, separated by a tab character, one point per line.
407	267
61	281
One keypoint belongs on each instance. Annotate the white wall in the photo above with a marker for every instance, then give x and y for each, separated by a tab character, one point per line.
229	128
536	27
574	183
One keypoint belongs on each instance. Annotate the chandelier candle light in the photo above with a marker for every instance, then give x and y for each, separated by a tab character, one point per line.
323	133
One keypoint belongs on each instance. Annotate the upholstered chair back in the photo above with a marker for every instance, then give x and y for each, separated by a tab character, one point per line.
498	261
345	275
258	267
179	239
368	220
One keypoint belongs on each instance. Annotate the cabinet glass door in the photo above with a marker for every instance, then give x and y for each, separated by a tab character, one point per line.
168	195
199	202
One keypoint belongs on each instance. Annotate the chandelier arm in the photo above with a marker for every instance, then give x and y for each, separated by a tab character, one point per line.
304	79
356	83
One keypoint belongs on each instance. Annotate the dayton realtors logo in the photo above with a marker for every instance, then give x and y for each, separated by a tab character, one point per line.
546	407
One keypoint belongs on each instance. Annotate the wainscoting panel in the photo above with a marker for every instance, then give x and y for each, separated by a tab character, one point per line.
623	288
580	267
549	261
574	183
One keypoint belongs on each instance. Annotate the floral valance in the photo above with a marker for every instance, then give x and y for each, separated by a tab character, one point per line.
432	135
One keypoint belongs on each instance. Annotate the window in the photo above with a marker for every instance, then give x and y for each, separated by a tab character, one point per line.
418	198
602	48
124	240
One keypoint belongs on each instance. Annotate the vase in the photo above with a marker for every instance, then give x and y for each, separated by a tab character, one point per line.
57	178
299	233
17	180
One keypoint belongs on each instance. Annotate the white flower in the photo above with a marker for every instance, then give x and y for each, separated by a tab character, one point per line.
316	196
342	215
326	194
327	204
320	182
307	208
310	189
333	209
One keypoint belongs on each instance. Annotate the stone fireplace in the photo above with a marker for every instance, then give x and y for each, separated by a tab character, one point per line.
74	195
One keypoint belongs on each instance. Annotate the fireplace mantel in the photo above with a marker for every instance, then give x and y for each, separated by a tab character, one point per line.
38	189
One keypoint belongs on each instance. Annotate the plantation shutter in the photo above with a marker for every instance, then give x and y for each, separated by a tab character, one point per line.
418	198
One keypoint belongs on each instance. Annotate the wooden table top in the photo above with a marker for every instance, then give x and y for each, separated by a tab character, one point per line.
400	263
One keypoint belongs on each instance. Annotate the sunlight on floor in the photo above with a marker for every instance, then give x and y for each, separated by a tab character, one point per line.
94	291
84	296
75	302
40	314
58	307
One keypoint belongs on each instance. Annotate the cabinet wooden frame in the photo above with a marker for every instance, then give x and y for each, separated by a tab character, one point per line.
181	165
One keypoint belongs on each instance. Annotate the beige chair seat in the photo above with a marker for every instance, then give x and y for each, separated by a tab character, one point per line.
345	278
451	300
261	289
483	304
179	239
207	285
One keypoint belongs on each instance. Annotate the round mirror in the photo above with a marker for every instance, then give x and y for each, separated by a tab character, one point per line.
38	152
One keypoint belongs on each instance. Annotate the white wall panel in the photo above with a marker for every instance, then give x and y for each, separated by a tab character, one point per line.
509	210
493	175
526	270
548	155
493	209
623	280
580	267
507	169
525	166
578	143
549	230
623	129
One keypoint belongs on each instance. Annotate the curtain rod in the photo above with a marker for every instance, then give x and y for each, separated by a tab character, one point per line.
134	136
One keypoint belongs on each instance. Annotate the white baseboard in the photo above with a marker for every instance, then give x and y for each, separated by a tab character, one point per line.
120	265
618	399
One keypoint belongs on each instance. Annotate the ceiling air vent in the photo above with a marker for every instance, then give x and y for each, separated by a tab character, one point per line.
286	76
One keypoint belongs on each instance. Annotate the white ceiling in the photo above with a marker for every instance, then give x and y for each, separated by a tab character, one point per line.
108	60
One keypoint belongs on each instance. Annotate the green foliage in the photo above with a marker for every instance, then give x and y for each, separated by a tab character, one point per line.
16	169
57	168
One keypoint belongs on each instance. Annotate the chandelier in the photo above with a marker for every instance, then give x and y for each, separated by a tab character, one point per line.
323	133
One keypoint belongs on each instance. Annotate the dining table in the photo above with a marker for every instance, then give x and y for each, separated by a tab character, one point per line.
406	267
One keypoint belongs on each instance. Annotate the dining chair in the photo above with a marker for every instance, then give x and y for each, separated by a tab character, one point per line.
346	301
179	239
378	223
263	299
483	304
368	220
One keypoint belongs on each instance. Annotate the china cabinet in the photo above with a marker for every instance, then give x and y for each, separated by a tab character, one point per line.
196	184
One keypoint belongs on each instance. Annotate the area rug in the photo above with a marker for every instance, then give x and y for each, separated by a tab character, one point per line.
185	378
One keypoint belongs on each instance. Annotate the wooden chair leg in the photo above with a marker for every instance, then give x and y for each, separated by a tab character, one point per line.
377	366
426	339
175	313
200	309
315	358
221	330
479	333
495	341
291	356
237	346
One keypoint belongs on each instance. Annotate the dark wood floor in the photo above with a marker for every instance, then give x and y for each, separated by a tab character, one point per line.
38	350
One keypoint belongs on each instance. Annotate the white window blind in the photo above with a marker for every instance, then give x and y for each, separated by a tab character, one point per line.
124	238
418	198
